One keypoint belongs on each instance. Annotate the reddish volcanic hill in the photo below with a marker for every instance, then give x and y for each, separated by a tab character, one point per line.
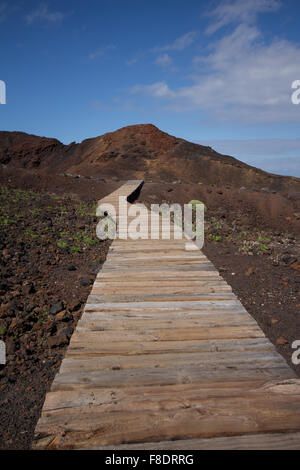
139	151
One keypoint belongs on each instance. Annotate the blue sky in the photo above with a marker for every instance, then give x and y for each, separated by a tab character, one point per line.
214	72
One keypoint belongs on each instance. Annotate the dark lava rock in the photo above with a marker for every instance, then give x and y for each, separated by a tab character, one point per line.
10	346
71	267
288	259
56	341
86	281
94	267
4	286
29	289
74	306
67	331
64	316
56	308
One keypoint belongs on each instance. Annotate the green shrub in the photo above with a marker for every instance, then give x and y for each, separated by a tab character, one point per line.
62	244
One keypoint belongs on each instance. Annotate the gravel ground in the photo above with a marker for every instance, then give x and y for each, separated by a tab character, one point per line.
49	258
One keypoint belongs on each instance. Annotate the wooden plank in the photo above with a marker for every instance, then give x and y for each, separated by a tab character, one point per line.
155	347
263	441
175	306
167	334
262	356
172	375
246	413
145	398
92	322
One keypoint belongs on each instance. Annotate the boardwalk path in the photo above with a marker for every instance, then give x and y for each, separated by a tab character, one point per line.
166	357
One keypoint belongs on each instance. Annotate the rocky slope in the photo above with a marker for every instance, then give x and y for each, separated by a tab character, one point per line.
49	257
139	151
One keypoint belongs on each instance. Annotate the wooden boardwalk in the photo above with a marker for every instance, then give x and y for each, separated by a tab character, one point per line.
166	357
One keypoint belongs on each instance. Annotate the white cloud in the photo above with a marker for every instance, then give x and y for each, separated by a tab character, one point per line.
242	79
164	60
43	14
180	43
240	11
101	51
158	90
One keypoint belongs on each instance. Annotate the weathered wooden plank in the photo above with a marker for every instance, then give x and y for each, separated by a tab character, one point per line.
104	322
260	356
262	441
246	413
157	347
167	334
152	283
158	298
138	289
172	375
145	398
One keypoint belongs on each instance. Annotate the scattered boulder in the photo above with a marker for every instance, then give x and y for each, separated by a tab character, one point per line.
71	267
64	316
58	340
56	308
86	281
74	306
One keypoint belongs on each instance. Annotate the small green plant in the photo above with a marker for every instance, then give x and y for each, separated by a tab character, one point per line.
264	239
87	241
6	220
263	247
214	238
76	236
242	235
62	244
75	249
35	211
43	317
28	233
81	210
